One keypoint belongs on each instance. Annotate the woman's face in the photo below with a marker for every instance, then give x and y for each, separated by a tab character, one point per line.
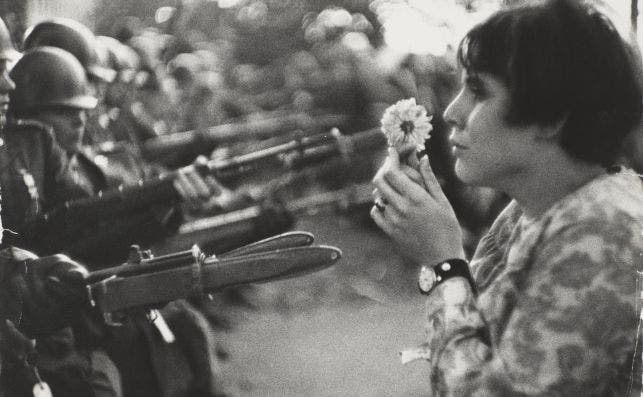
488	151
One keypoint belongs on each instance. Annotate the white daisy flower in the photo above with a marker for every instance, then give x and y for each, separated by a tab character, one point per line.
406	126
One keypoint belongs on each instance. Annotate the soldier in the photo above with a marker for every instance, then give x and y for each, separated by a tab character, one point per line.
28	300
59	100
41	297
120	163
45	168
76	38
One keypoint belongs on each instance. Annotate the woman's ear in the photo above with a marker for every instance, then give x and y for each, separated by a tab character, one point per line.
551	130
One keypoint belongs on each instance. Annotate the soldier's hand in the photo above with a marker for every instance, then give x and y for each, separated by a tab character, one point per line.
14	345
202	192
50	290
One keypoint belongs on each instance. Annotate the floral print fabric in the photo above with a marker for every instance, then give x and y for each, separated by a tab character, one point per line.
556	310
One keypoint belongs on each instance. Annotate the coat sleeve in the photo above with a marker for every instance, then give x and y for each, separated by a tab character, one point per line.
570	331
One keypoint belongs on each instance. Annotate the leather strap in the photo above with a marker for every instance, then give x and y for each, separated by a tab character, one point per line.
445	270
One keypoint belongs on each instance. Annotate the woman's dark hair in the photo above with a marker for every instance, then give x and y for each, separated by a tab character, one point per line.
562	60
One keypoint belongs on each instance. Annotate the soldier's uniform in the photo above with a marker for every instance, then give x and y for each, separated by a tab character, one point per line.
38	175
35	174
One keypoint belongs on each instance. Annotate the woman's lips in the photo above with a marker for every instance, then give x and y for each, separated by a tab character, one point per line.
458	149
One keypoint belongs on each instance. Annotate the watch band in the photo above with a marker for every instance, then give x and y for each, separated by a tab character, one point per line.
432	276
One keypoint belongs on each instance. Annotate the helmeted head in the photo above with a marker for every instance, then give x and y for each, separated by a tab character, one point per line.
122	58
52	82
46	77
74	37
125	61
564	62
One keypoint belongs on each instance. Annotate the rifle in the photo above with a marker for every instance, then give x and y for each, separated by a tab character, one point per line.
231	229
148	281
173	149
122	201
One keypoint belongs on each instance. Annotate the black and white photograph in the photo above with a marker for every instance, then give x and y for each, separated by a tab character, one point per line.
321	198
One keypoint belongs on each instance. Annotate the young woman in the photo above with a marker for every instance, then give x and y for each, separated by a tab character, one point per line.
547	305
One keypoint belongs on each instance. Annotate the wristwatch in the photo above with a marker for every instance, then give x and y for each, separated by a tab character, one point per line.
432	275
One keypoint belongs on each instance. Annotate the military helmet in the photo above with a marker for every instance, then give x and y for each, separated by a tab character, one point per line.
49	76
72	36
7	50
122	58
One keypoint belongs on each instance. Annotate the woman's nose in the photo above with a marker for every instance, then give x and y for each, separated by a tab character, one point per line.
453	114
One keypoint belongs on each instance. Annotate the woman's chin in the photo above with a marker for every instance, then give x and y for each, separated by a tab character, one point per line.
464	173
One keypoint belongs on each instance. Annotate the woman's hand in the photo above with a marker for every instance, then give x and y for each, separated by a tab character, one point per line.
416	213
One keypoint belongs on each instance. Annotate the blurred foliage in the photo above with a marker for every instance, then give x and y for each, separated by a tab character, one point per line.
259	30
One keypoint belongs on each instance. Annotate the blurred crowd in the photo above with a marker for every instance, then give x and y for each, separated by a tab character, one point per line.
110	141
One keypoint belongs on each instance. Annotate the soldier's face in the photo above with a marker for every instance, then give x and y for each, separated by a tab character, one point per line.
68	125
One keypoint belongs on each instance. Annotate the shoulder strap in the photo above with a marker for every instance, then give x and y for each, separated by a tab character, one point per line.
28	125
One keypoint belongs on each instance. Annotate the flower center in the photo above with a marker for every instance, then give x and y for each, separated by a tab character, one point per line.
407	126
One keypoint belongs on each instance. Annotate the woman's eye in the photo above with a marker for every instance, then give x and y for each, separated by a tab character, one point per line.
477	91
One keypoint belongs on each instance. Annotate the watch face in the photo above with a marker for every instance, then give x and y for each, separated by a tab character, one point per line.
427	278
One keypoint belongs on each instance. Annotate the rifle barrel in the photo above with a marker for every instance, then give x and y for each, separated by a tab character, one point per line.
356	194
204	141
181	258
117	202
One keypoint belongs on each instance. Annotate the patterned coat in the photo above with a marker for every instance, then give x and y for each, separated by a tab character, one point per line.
556	311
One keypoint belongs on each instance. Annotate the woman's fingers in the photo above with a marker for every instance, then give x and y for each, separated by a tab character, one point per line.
378	217
413	174
403	186
412	160
394	157
430	181
385	219
398	185
389	196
